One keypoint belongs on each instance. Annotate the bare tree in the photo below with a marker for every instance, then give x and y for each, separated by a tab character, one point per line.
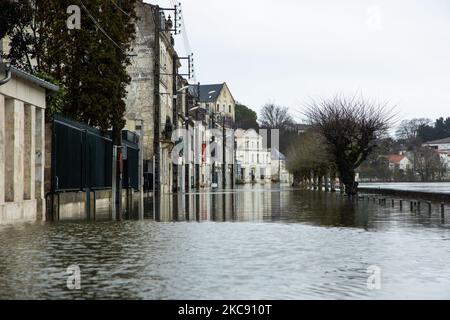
351	127
428	164
408	130
275	117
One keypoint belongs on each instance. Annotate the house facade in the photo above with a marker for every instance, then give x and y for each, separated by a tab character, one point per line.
399	162
253	160
440	145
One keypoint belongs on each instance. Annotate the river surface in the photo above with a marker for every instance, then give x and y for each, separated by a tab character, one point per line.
252	243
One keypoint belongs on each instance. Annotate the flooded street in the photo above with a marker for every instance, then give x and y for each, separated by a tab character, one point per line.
252	243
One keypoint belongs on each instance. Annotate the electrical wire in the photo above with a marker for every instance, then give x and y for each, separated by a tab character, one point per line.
100	27
187	44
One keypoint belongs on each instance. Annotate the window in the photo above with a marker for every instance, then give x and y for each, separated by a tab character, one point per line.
229	109
218	107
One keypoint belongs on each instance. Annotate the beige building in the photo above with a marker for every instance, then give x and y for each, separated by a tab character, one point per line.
217	99
22	145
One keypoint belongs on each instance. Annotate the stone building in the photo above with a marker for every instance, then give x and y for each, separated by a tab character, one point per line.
218	105
152	93
22	145
217	99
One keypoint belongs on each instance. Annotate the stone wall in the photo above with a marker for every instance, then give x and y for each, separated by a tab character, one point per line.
140	99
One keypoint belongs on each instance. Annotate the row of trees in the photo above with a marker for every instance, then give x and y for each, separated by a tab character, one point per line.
344	132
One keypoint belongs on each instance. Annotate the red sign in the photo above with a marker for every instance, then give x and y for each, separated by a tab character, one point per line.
204	153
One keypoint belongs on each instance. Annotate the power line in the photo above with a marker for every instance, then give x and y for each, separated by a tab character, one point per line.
129	16
100	27
187	44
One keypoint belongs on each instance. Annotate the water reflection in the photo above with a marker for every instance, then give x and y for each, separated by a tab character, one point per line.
287	205
252	243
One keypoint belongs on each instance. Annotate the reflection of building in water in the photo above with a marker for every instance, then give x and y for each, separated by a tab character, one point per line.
249	204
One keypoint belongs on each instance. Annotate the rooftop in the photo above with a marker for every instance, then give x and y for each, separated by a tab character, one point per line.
208	92
395	158
441	141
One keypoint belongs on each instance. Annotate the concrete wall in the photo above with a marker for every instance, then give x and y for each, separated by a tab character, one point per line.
72	206
22	113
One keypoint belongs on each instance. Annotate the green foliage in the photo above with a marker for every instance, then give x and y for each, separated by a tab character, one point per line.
440	130
55	102
89	66
246	118
16	18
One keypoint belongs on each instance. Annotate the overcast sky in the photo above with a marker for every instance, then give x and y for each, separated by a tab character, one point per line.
289	51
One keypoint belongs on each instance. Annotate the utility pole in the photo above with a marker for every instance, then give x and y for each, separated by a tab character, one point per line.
224	156
197	165
157	113
175	187
187	147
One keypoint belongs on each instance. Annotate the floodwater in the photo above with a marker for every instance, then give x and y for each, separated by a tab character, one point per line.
436	187
251	243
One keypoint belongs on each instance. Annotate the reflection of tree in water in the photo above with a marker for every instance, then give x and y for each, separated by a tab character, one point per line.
321	208
326	209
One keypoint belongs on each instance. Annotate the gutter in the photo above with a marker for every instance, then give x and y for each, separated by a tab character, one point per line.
33	79
8	74
13	71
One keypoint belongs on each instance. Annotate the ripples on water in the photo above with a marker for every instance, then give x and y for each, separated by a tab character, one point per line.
250	244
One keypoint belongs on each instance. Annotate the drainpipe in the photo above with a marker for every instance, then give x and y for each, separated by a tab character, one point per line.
7	75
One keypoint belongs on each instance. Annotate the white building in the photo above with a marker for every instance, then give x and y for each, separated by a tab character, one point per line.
442	144
253	161
399	162
279	170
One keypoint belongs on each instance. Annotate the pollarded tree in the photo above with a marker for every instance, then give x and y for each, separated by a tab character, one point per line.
351	127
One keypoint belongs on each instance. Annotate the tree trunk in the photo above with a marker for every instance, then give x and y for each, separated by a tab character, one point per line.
350	185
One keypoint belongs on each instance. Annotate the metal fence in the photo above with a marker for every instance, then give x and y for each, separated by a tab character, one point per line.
82	157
